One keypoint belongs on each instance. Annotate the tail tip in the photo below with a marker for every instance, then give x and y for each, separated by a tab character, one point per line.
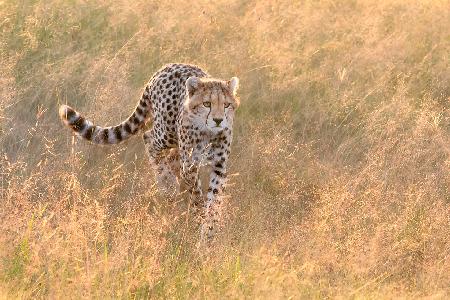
65	111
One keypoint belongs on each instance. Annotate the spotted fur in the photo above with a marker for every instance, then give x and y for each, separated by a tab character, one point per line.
192	116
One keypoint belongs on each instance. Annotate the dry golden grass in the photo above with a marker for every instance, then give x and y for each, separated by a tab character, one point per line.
340	160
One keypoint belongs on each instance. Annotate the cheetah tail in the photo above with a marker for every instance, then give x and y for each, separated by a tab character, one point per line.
106	135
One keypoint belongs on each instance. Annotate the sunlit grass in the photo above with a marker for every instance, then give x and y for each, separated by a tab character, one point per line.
340	177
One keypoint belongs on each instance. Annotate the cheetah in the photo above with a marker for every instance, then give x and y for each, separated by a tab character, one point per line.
192	120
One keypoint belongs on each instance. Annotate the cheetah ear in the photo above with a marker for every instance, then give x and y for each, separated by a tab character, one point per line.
192	84
233	84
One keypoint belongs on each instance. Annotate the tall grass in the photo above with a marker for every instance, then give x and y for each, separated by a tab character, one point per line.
340	179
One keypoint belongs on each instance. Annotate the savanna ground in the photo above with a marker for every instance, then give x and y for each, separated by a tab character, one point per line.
340	179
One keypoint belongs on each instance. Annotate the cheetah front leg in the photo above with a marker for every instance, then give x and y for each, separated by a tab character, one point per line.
218	156
189	171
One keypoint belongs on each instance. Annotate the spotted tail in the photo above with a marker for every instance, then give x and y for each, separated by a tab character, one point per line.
107	135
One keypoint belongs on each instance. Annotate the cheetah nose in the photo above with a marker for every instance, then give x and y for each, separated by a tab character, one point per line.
218	121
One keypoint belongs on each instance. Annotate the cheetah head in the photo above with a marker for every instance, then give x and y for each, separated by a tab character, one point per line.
213	102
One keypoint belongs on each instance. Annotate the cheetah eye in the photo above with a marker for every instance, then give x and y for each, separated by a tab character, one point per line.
207	104
227	105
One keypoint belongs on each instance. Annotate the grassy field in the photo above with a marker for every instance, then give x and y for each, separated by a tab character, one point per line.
340	168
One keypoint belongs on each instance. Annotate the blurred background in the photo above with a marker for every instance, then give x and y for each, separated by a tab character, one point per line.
339	172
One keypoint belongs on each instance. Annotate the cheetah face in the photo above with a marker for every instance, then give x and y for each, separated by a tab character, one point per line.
213	102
